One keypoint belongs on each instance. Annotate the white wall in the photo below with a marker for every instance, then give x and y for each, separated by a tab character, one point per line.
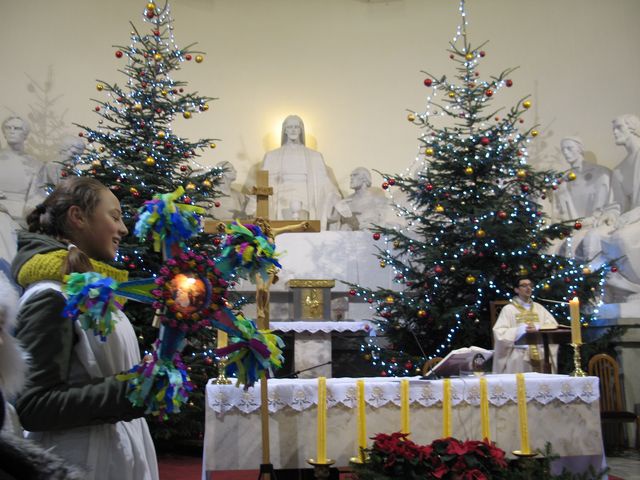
350	68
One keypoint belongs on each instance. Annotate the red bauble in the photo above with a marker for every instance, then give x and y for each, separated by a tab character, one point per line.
81	134
64	173
502	214
97	109
150	14
508	82
488	92
156	33
118	54
126	258
437	269
482	53
392	181
567	280
383	373
216	204
503	266
216	241
187	57
614	269
451	56
208	360
577	225
187	200
183	168
131	266
352	292
385	185
471	315
428	82
525	188
534	266
485	141
370	300
136	194
376	236
408	365
428	187
181	90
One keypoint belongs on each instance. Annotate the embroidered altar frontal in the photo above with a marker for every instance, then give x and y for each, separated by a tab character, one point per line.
562	410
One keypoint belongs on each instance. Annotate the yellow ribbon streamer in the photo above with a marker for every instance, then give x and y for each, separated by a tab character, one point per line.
446	408
484	410
522	414
404	406
362	421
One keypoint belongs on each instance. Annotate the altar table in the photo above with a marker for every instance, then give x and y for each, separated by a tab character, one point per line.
562	410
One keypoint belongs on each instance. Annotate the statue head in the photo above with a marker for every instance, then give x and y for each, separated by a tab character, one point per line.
573	150
360	178
15	130
71	146
625	127
229	172
292	130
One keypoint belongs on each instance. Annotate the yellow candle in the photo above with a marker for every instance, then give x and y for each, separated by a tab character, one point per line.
222	340
362	421
446	408
574	309
484	410
404	406
321	444
522	414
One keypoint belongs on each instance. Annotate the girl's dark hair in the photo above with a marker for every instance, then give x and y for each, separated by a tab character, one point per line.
50	217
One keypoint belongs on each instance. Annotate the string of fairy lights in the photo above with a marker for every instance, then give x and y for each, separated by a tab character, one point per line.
500	140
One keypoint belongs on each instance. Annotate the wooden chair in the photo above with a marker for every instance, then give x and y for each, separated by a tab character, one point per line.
612	410
429	364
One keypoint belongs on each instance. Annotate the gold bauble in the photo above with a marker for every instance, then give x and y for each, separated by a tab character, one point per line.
468	171
470	279
422	313
150	161
452	268
572	176
212	145
157	57
204	107
199	58
96	163
526	104
186	115
206	183
161	134
389	299
164	93
534	133
137	107
523	271
546	287
101	149
469	56
99	87
190	186
534	245
521	173
151	6
452	94
411	117
481	233
133	189
382	264
586	271
428	151
439	209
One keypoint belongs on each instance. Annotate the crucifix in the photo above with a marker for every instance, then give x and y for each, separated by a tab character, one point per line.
271	229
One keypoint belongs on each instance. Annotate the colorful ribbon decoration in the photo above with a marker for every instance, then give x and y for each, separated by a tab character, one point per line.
167	222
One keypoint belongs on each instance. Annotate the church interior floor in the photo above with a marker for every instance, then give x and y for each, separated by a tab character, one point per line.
625	466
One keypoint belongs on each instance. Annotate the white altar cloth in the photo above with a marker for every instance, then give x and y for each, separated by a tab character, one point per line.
300	326
561	409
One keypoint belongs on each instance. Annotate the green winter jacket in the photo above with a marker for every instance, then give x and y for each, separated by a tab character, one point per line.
50	401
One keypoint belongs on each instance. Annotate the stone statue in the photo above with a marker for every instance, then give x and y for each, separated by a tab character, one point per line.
589	193
362	209
619	226
20	189
302	187
233	204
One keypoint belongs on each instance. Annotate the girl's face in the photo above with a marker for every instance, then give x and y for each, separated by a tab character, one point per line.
100	233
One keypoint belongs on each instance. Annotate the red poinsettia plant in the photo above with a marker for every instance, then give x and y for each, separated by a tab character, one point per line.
395	456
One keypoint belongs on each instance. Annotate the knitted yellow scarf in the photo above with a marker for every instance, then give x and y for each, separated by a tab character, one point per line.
48	266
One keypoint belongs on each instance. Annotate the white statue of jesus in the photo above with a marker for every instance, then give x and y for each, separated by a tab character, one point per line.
302	188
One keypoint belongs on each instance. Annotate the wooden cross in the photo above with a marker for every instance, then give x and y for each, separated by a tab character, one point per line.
272	228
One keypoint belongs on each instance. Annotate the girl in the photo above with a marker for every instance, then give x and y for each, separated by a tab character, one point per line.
73	402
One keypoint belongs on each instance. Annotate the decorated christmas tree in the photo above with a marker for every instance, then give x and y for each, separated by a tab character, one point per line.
135	152
472	222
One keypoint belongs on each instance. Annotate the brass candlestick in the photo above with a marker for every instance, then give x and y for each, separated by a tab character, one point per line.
577	368
222	378
321	470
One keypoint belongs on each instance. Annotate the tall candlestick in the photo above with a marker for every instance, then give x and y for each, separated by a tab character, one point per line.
574	310
446	408
362	421
321	454
484	410
522	414
404	406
